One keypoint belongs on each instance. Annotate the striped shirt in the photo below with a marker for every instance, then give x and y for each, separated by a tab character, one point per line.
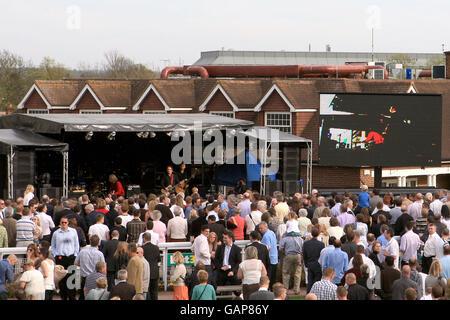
91	281
25	229
134	228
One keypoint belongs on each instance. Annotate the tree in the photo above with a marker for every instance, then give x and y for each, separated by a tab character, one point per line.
404	59
14	80
118	66
49	69
434	62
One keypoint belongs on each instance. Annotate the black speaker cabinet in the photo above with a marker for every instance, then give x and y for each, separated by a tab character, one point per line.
52	192
291	163
133	189
272	186
291	187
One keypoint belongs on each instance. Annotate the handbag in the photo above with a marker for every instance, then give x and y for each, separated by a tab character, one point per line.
59	273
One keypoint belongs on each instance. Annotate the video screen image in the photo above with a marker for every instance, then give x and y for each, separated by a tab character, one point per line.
380	130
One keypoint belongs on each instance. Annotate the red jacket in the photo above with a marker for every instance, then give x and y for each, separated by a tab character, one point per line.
117	189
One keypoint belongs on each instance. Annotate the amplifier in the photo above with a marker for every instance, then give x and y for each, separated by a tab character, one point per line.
53	192
133	189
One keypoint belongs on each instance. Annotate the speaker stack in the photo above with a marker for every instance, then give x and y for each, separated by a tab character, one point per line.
291	170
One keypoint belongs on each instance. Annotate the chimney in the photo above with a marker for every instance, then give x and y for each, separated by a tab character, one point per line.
447	64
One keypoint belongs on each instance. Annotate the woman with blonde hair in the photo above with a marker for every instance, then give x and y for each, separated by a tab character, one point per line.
37	236
434	277
101	206
250	271
180	200
325	217
180	290
28	195
151	206
324	236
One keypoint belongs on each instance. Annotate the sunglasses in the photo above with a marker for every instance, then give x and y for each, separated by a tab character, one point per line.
64	222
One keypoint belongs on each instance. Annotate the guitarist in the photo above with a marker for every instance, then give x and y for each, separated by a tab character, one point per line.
170	179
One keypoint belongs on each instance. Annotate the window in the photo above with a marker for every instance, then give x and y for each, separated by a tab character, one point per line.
279	120
90	112
37	111
228	114
153	112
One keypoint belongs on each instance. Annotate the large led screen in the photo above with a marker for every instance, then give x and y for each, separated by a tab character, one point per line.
380	130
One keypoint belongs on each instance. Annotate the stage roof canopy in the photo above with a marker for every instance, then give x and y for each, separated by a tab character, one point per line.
273	135
55	123
24	138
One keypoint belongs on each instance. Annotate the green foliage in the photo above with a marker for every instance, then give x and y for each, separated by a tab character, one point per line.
17	76
404	59
435	62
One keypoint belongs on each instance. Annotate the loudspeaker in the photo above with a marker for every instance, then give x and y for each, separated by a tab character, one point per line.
133	189
272	186
291	163
24	171
52	192
291	187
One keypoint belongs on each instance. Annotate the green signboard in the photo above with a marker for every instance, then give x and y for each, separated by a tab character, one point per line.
189	259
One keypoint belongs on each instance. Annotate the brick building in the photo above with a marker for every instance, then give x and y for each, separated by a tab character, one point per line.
288	105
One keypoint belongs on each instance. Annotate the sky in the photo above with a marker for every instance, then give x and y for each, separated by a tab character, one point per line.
158	33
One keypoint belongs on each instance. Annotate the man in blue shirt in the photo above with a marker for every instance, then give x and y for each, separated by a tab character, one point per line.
196	203
338	260
65	247
270	240
6	274
364	197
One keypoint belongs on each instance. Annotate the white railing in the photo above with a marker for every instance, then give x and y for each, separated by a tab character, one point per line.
164	248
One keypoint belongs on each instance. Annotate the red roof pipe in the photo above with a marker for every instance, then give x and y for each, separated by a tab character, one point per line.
271	71
198	70
171	70
425	74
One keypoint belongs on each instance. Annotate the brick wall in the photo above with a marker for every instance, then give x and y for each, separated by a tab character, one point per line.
337	177
151	102
87	101
35	101
218	103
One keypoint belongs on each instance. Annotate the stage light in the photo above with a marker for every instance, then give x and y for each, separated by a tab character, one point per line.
112	135
152	134
145	135
89	135
169	133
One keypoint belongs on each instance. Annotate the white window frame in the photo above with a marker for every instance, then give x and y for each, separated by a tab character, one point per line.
91	111
223	113
278	126
154	112
38	111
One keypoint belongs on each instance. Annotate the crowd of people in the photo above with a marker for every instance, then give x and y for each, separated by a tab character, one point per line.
362	246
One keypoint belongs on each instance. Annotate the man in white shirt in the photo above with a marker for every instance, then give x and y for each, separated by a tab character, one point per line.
123	214
177	227
215	208
366	260
155	236
99	228
415	209
433	248
392	249
254	218
200	247
436	205
46	222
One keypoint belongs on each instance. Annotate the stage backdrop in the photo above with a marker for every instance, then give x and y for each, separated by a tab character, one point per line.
380	129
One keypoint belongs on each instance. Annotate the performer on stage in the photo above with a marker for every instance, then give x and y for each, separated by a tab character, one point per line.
170	179
183	175
115	186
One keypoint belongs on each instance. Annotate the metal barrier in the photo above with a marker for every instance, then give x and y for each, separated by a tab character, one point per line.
175	246
19	252
164	248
